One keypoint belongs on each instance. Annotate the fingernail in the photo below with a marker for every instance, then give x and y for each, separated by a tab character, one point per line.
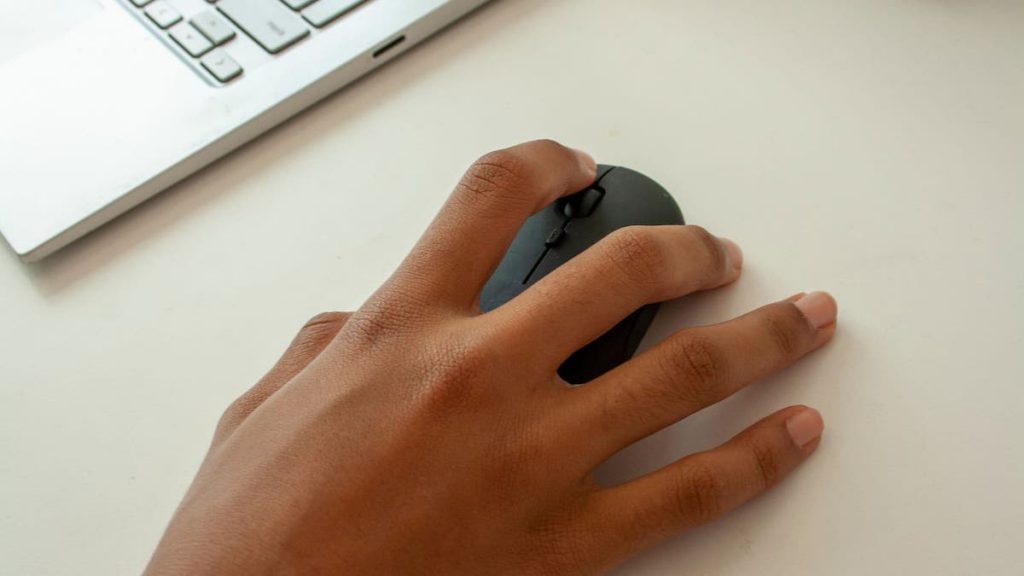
735	253
586	161
818	307
805	426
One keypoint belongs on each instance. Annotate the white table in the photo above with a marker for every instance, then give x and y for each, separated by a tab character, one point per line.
872	148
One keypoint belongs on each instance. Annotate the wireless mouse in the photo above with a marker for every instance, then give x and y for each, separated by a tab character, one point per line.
618	197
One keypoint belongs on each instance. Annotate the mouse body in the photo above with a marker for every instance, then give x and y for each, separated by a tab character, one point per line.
619	197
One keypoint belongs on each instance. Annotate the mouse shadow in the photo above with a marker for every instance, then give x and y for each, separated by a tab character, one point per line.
91	253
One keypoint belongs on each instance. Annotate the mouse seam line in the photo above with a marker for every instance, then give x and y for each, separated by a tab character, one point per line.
565	224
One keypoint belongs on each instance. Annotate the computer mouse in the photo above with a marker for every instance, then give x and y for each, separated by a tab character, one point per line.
618	197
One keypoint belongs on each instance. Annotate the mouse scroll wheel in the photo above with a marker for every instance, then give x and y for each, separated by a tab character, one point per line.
582	204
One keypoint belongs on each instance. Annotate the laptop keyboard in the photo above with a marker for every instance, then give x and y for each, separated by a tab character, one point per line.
273	24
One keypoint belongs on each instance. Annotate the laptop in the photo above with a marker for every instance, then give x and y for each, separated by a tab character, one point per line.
104	103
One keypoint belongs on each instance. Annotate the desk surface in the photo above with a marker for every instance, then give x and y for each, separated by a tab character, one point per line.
872	148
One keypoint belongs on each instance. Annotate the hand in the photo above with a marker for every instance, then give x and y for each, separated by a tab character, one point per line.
419	436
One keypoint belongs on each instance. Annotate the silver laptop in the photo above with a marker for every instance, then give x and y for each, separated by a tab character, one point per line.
104	103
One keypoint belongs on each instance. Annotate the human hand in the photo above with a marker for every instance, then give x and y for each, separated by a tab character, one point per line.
419	436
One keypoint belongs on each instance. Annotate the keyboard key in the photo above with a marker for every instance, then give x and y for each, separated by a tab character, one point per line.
325	11
191	40
268	22
222	66
141	3
298	4
163	14
213	27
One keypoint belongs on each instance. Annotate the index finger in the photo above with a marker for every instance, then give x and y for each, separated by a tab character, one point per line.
466	241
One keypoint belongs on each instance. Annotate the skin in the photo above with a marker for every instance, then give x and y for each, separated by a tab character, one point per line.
419	436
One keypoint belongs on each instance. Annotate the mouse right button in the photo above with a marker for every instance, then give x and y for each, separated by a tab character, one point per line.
635	199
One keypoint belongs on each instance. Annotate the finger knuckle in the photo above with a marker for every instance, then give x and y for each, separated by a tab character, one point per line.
498	179
522	455
637	254
388	313
700	494
528	458
697	366
544	146
658	394
766	463
787	330
319	330
239	409
707	248
456	371
368	326
625	405
324	319
559	542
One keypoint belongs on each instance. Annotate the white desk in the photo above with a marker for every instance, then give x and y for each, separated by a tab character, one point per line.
873	148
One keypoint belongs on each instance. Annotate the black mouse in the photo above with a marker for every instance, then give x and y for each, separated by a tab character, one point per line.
618	197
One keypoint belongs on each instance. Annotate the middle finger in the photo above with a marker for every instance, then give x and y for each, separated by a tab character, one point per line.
629	268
